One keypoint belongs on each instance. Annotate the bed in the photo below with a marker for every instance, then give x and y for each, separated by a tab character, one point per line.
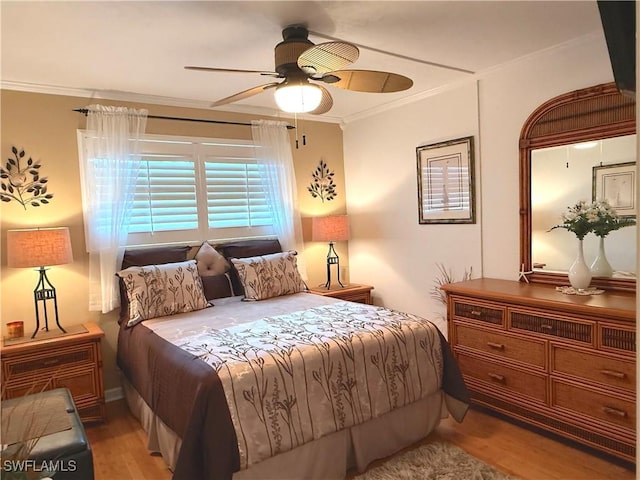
291	385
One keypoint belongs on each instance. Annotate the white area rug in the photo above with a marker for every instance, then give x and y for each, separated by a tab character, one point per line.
437	460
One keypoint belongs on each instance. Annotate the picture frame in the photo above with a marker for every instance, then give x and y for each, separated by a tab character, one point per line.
446	186
616	183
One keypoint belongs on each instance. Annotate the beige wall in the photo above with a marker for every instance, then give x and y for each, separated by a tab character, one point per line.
45	127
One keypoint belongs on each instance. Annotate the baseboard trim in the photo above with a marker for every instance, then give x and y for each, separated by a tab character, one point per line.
113	394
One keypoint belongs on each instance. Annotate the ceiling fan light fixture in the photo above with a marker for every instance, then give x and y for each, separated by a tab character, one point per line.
298	97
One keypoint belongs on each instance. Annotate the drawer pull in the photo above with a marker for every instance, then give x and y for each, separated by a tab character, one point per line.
614	411
546	326
48	363
496	346
613	373
497	377
476	313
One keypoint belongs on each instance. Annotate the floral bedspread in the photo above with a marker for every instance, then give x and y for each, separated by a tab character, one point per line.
292	378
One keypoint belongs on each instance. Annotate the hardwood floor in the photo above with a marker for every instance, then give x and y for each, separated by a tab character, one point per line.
119	450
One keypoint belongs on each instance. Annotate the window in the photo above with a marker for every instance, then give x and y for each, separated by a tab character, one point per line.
190	190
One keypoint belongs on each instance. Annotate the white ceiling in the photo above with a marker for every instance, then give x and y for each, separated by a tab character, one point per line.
107	48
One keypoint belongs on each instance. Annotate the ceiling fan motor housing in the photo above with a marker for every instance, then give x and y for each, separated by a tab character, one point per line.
287	52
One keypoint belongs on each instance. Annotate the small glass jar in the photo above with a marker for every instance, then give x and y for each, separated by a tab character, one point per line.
15	329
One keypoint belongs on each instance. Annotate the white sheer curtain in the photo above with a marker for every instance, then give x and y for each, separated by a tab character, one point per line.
109	168
274	156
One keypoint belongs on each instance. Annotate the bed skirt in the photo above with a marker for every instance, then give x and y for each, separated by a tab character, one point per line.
328	457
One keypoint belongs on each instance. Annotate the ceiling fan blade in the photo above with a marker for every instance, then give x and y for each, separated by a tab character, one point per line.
244	94
325	104
369	81
327	57
231	70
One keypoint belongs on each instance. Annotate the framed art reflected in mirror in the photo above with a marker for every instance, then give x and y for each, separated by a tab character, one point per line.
616	183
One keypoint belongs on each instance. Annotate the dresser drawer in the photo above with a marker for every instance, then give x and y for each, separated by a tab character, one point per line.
593	403
493	374
589	365
617	339
479	311
49	361
581	331
529	351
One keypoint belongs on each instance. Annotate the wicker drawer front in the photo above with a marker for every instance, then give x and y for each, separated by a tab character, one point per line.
577	331
358	297
529	351
50	361
595	404
496	374
479	312
591	366
81	382
614	338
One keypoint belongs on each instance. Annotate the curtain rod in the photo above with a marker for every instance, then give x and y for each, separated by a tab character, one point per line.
85	111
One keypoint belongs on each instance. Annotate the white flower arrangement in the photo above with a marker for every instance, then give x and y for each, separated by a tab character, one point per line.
579	219
608	219
598	217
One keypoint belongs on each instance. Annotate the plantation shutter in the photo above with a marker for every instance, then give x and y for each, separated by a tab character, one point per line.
235	195
194	189
165	198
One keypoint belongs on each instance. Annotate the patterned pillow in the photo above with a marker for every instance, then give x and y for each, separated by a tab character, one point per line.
159	290
268	276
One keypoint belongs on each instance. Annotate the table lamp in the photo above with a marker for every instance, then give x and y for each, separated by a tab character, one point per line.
332	228
40	247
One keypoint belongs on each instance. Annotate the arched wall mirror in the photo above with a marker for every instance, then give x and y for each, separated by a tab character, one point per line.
570	147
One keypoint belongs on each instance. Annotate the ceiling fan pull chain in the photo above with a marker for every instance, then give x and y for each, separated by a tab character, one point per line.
295	123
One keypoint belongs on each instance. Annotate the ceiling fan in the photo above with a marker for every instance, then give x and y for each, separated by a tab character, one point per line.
304	65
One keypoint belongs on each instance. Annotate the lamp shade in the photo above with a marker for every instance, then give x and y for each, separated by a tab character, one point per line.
38	247
332	228
298	97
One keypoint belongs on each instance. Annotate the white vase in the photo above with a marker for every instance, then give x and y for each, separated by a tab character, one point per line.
579	272
600	266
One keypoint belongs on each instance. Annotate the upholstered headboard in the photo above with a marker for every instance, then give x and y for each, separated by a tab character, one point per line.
215	286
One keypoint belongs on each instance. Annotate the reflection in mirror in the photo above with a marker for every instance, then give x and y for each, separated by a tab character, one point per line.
563	175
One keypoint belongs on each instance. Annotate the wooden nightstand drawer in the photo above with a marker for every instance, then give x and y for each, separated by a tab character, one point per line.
350	293
72	361
525	350
497	375
586	364
594	403
49	360
80	381
479	312
562	327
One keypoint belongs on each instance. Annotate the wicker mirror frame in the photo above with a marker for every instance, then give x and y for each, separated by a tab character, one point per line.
588	114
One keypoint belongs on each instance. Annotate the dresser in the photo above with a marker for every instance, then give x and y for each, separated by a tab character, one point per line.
351	293
564	363
69	361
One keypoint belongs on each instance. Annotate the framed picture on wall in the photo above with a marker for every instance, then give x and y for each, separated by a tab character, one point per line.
446	182
616	183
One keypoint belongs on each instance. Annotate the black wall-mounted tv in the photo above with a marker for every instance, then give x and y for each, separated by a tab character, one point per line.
619	24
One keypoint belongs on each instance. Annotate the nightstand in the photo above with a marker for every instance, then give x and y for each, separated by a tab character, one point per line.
71	361
351	293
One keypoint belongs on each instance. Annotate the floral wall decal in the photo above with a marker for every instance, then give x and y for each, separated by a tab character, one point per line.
322	185
21	181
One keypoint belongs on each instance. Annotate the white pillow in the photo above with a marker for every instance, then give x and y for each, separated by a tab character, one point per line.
160	290
210	261
268	276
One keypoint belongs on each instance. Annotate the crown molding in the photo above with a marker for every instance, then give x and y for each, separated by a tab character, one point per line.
156	100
